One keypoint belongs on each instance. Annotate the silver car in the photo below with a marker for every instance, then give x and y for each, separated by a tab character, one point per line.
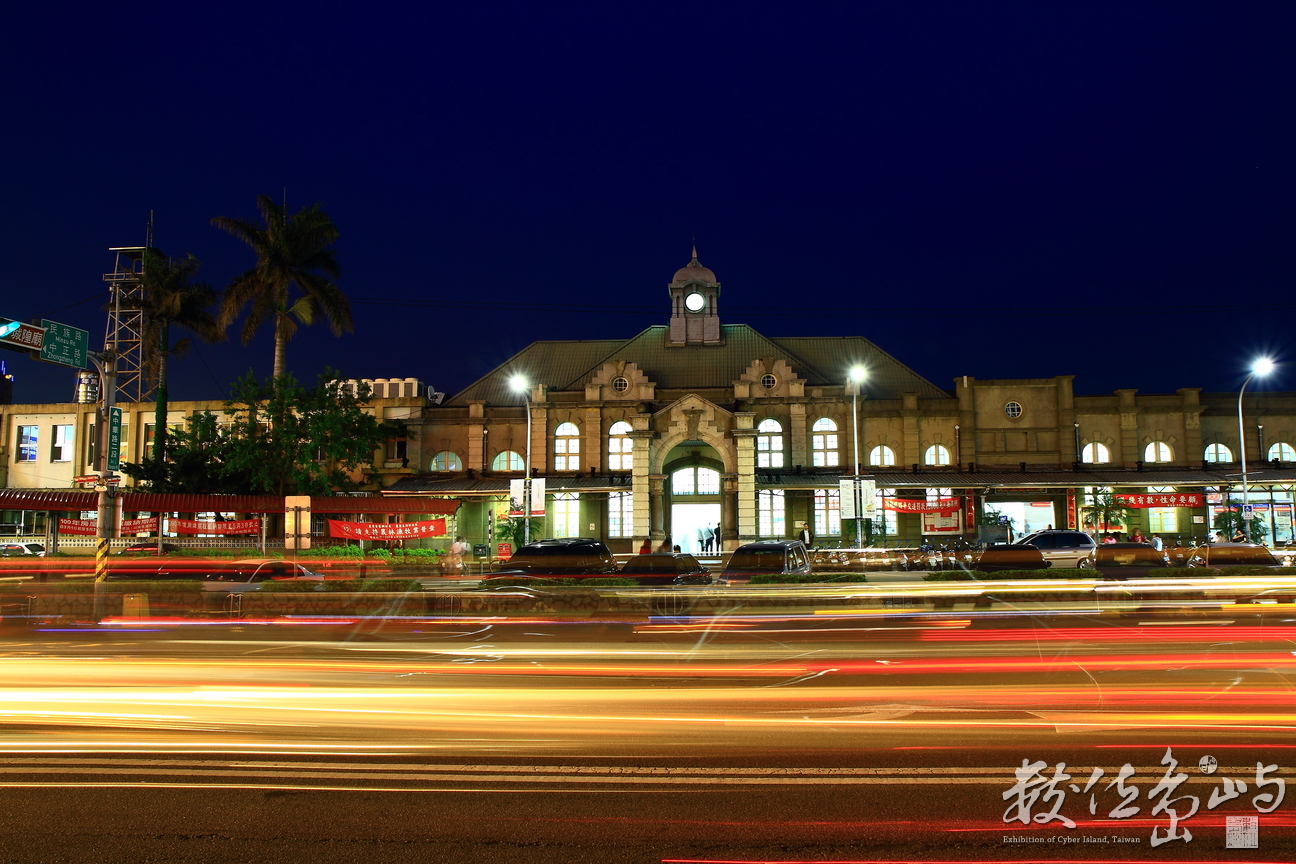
1062	548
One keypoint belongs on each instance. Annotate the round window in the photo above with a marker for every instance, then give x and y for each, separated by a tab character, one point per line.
620	385
768	382
694	302
1013	409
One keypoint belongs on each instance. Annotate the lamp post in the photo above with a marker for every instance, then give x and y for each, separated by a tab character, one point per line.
1261	368
857	377
519	385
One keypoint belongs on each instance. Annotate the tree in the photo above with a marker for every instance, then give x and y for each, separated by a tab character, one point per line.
171	297
1106	511
290	283
1230	521
279	438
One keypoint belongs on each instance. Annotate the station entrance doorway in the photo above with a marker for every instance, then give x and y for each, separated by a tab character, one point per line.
1026	517
687	523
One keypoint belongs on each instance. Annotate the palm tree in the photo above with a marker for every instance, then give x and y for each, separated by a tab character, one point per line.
1106	512
290	282
171	297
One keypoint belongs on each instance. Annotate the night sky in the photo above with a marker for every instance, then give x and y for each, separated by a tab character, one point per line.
1002	190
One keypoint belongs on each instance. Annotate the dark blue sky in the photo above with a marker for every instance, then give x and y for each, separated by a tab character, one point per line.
991	189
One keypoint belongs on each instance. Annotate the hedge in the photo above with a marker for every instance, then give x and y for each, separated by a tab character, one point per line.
591	582
1009	575
804	579
87	586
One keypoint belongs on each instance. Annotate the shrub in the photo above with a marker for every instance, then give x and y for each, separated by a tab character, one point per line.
87	586
952	576
804	579
1059	573
1255	571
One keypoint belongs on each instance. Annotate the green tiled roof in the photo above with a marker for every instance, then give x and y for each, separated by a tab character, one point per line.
821	361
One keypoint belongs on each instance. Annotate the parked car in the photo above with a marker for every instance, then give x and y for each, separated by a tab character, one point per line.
149	547
1129	560
566	557
1014	556
7	549
219	575
1233	555
766	556
1062	548
666	568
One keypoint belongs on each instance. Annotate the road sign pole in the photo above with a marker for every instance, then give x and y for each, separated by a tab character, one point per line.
106	364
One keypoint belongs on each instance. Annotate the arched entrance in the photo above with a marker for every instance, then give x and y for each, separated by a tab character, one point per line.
693	487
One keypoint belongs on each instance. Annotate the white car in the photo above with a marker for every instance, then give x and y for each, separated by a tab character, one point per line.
7	549
1062	548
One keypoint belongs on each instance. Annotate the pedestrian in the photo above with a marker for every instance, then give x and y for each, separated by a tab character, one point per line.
646	547
1158	542
1238	536
675	550
1137	537
700	536
454	559
708	538
805	535
665	546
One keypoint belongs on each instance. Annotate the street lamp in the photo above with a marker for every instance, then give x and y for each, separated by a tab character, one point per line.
857	375
1261	368
519	385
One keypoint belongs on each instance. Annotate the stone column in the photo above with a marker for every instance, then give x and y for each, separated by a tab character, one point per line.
744	434
1130	449
593	436
800	434
656	487
728	513
642	436
912	445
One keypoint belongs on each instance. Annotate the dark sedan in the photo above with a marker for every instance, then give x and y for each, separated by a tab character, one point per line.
1011	557
666	568
1129	560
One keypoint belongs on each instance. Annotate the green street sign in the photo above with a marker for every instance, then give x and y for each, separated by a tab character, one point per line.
114	438
64	344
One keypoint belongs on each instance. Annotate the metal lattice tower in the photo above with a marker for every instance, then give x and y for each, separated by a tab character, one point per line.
124	336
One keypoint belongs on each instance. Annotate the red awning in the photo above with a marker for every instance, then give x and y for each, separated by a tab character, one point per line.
135	502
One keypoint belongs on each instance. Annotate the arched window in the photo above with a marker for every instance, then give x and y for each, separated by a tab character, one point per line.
507	460
1096	454
1282	453
769	444
567	448
445	461
823	443
882	455
695	481
620	447
1217	453
937	454
769	513
1157	451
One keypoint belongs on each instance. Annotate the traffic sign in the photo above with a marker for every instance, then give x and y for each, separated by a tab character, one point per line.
18	336
64	344
114	438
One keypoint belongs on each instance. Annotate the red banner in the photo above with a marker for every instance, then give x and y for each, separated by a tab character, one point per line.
84	527
193	526
387	530
138	526
904	505
1167	499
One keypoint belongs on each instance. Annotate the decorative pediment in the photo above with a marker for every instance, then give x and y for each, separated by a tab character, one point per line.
619	380
769	376
692	418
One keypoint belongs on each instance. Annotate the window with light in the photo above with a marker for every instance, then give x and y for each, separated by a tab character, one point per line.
937	454
827	512
769	444
1218	453
882	456
1158	451
887	524
935	495
508	460
445	461
1095	454
620	514
61	449
769	513
567	449
565	520
695	481
823	443
1282	453
620	447
28	440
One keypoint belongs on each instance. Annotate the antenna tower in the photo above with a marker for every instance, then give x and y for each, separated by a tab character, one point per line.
124	335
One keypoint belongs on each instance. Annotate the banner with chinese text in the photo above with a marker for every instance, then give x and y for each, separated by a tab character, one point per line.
387	530
83	527
194	526
904	505
138	526
1167	499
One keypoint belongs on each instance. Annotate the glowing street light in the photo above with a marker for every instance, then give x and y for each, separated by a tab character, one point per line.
857	374
1259	368
519	384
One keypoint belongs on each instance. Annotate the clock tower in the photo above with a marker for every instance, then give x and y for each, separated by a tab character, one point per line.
695	306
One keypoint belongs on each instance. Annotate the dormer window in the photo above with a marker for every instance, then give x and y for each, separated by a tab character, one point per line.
769	382
620	385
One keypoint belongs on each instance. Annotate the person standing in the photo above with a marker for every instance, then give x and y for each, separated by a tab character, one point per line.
646	547
805	535
708	538
454	562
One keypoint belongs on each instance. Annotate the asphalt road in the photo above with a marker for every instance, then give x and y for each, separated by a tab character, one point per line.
797	738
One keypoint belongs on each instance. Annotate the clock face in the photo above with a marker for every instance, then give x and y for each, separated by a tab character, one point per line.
694	302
